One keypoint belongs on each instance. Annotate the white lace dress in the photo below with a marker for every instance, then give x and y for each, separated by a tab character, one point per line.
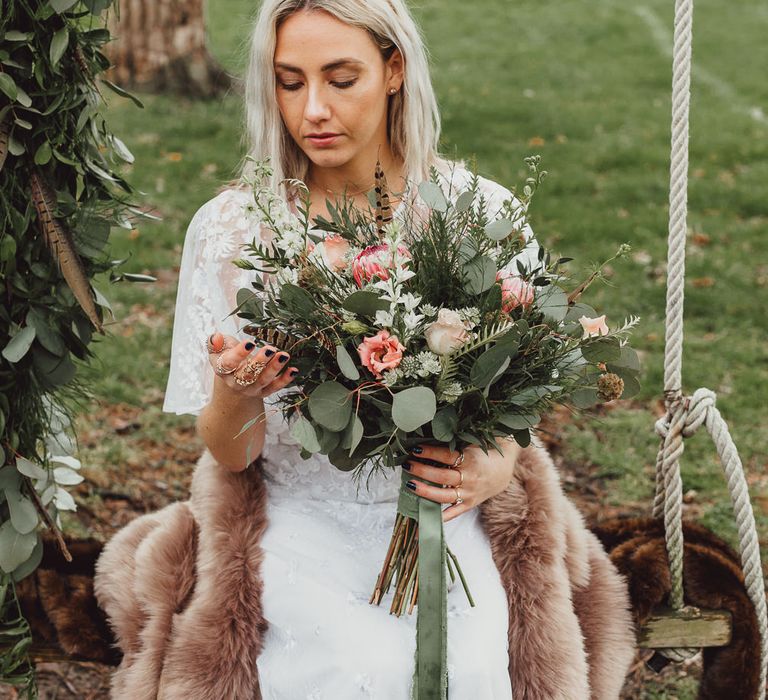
325	543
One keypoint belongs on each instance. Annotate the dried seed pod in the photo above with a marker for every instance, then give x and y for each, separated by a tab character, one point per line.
609	386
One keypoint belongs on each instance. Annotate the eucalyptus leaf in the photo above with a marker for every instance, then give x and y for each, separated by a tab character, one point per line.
8	86
584	398
498	230
303	431
330	405
62	5
601	350
464	201
18	346
30	469
444	424
412	408
552	302
355	430
66	476
433	196
479	274
346	364
492	361
26	568
22	511
63	500
329	440
519	421
59	45
297	299
365	303
15	547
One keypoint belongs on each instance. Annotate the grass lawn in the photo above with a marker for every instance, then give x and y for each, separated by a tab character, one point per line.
586	85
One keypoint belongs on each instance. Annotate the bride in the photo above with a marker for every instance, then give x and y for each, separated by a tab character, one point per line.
333	86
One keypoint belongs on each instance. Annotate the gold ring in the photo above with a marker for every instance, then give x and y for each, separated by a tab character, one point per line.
459	460
459	499
223	370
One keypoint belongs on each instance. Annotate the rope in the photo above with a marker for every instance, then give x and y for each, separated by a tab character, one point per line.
686	414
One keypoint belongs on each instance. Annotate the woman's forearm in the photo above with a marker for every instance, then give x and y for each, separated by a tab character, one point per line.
221	419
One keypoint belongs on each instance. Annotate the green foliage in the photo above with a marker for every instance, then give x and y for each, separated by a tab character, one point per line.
59	199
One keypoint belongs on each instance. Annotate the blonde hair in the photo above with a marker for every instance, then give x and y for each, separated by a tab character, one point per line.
413	120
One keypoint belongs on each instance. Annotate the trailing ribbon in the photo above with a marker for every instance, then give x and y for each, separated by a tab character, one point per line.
430	676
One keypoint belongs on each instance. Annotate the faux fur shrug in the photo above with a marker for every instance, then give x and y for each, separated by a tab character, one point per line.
181	588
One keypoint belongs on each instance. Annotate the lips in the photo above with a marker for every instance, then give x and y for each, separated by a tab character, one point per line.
323	140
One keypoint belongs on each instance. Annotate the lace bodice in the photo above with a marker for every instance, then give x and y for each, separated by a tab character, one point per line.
208	285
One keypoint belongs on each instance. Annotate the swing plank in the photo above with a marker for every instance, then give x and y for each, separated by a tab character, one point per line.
685	628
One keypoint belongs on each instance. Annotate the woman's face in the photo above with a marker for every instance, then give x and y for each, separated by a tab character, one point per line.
332	79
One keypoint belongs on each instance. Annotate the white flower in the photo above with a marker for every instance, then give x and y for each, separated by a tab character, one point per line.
429	364
287	275
446	333
470	315
451	392
412	320
391	376
429	310
384	318
410	301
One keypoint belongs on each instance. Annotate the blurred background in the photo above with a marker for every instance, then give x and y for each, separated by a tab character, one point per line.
585	85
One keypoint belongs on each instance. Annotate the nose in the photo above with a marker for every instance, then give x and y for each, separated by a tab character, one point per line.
317	107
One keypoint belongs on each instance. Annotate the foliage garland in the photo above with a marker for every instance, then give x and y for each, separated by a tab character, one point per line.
59	198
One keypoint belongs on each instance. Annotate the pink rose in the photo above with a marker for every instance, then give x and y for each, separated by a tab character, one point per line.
335	248
515	291
380	352
375	261
593	326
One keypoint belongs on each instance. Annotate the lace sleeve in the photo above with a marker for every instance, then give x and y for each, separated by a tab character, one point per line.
208	284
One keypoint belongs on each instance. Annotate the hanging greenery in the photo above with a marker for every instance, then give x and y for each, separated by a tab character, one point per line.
59	199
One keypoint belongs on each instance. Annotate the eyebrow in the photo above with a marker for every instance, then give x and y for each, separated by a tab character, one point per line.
326	67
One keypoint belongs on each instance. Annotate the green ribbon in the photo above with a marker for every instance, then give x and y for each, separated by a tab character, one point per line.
430	676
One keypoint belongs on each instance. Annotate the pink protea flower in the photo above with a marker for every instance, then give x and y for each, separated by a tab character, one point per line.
515	291
375	261
381	351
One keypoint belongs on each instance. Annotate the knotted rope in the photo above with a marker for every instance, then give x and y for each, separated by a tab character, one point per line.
685	414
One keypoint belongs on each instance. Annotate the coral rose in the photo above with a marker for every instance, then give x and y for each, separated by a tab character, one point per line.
375	261
593	326
446	333
515	291
381	351
334	249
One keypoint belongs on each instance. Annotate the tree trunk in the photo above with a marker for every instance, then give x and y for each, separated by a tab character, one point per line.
160	46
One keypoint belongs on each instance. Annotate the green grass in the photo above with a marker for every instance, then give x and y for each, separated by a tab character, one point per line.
587	86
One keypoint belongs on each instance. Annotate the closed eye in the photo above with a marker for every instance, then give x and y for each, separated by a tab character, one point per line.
295	86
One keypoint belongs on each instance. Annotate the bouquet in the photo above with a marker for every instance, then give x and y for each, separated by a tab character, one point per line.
439	327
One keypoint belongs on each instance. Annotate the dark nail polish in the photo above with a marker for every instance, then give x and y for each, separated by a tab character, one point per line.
282	358
411	485
407	466
268	352
417	450
294	372
250	346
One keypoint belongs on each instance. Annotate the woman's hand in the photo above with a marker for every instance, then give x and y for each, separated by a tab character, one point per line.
232	359
485	475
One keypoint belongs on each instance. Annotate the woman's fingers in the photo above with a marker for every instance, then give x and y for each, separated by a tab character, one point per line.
230	359
439	475
276	361
435	493
281	381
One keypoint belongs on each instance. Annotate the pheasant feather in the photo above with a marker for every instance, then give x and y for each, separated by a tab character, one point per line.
383	210
59	240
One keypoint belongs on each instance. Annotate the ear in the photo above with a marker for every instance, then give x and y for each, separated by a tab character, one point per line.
395	68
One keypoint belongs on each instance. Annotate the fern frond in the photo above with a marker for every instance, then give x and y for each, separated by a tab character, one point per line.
487	335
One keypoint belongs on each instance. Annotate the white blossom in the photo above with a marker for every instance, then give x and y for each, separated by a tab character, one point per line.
384	319
451	392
